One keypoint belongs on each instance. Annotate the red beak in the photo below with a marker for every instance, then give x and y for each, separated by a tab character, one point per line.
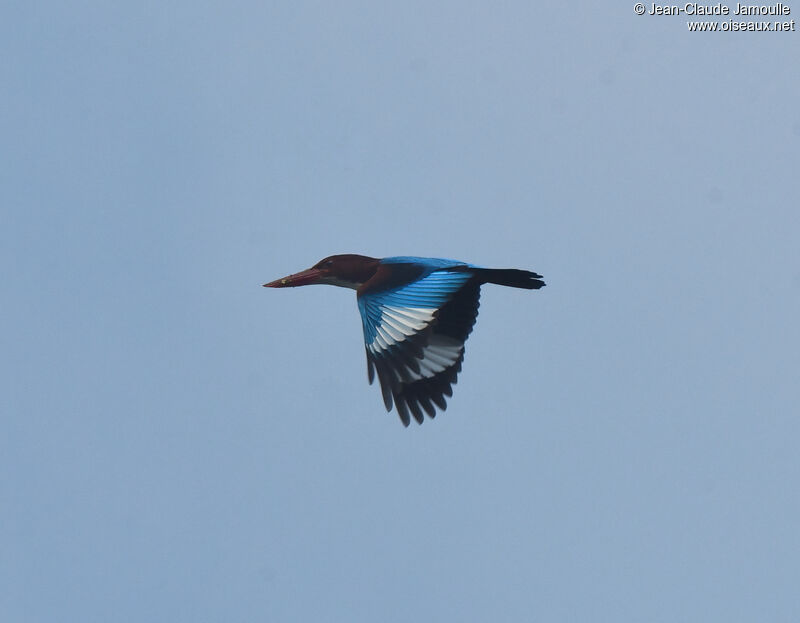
304	278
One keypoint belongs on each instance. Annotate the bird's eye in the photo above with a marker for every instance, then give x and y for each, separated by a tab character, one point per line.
329	263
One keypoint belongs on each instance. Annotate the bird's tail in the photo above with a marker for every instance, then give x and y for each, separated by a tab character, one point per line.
511	277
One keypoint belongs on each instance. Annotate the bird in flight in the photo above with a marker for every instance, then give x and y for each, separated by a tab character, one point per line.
417	312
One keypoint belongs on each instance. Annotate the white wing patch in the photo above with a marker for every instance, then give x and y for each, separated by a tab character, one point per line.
438	355
398	324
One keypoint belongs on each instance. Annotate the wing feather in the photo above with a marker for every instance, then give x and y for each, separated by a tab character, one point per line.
415	335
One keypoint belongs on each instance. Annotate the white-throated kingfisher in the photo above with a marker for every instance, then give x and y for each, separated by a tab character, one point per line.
417	312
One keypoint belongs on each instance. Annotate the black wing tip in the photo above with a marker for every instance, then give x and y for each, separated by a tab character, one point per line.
402	411
408	408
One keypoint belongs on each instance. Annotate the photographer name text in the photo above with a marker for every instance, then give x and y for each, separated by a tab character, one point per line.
694	8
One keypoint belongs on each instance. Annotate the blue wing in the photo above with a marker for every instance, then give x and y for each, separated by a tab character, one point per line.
414	336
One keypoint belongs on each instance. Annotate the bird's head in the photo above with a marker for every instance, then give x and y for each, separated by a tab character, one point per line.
348	271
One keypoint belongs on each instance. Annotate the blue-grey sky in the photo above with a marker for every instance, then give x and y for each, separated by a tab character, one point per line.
179	444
